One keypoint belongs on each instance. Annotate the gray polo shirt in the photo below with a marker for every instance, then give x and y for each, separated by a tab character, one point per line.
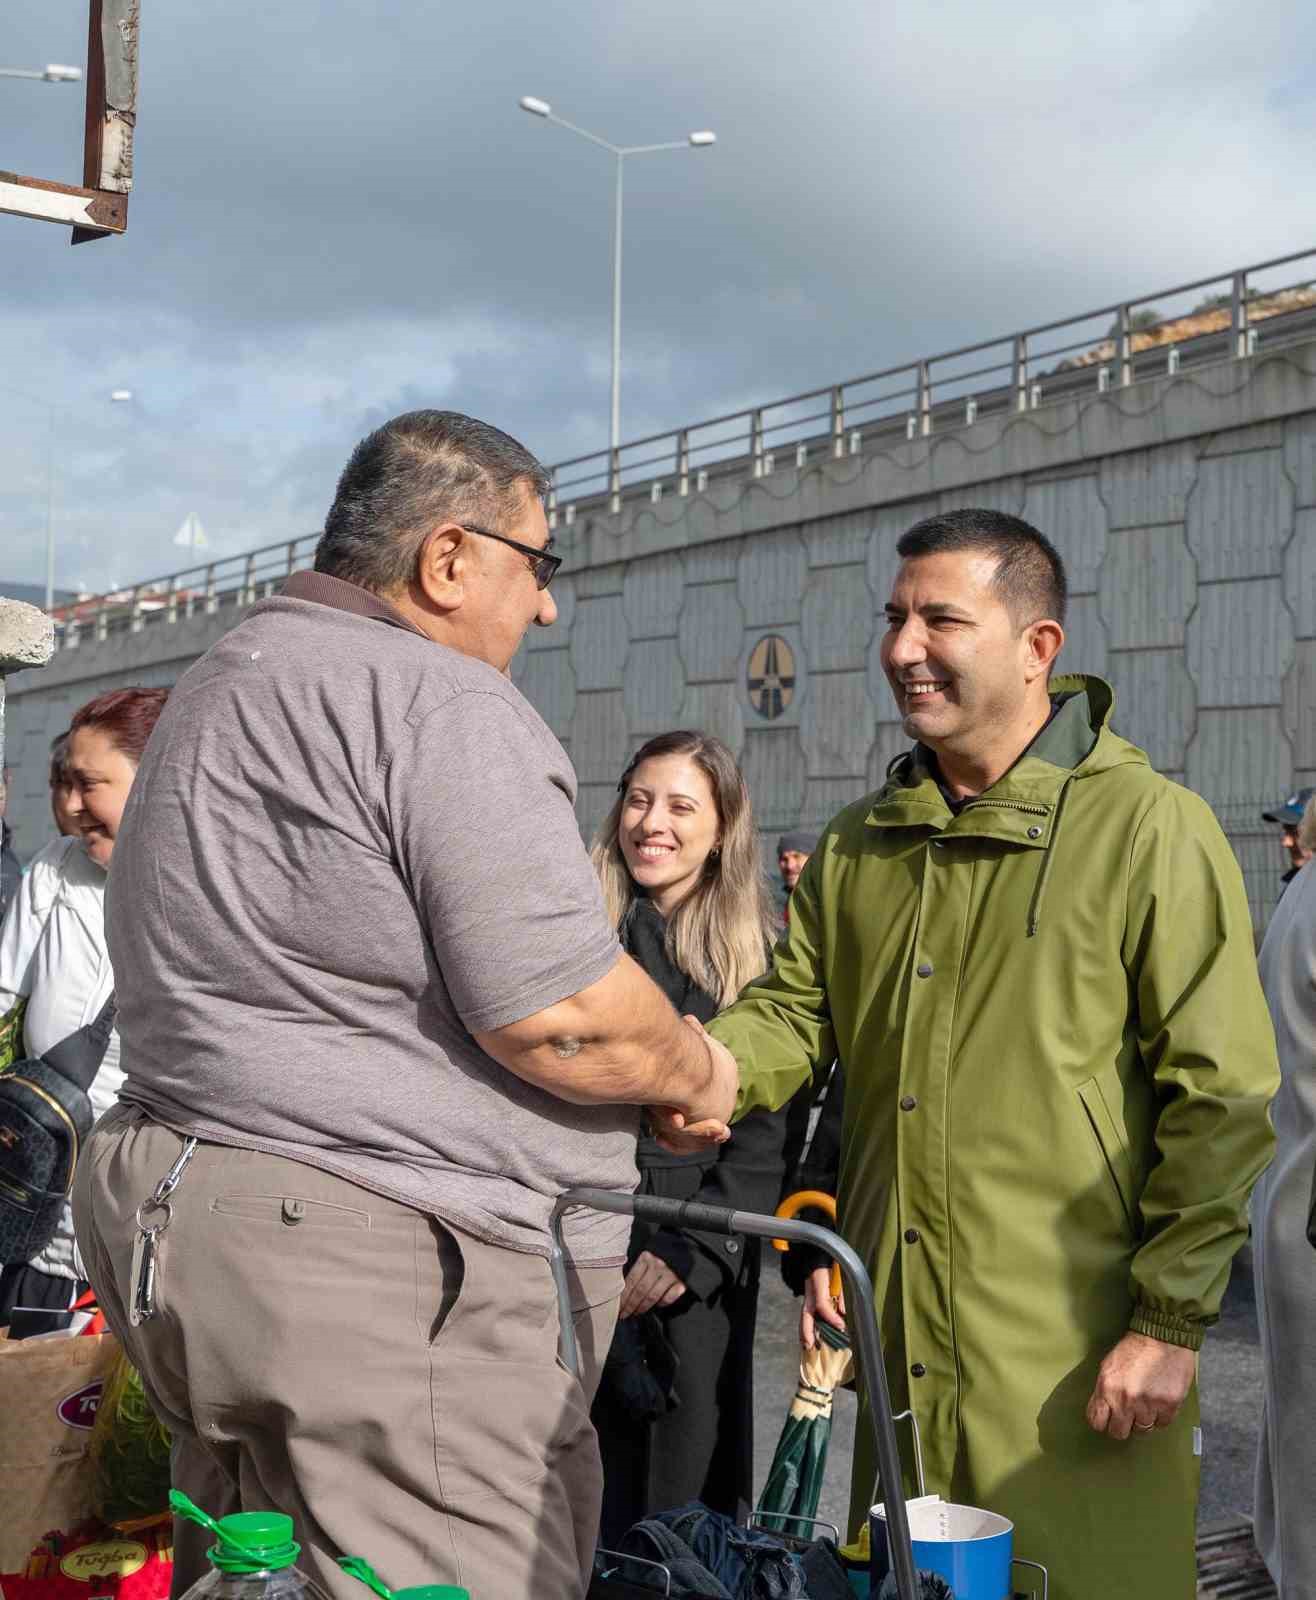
348	849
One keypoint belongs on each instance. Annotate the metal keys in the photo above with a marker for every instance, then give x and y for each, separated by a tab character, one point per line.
141	1272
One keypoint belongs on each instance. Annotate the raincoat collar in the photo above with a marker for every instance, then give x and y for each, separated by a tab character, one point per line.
1022	806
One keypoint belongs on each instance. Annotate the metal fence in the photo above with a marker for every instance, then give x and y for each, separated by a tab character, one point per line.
1260	854
1210	320
1228	317
229	584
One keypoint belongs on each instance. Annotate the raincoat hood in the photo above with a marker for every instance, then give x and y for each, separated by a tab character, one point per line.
1078	742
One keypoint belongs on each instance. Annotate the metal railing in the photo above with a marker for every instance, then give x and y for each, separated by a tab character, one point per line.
1260	853
1115	346
1230	317
233	582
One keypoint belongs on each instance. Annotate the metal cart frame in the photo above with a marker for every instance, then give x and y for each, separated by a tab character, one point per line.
859	1303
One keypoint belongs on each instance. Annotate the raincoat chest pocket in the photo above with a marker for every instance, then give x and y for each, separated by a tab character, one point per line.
1113	1147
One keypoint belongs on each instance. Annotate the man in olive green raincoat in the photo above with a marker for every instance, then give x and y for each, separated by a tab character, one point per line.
1033	957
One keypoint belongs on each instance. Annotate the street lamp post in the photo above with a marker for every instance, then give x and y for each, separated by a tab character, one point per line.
53	413
698	141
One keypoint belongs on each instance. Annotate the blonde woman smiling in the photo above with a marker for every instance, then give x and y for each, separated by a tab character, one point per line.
679	860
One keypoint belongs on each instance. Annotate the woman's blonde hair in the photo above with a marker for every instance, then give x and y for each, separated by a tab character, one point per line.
720	933
1307	827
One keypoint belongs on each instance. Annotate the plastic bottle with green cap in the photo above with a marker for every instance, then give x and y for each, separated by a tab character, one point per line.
355	1567
254	1556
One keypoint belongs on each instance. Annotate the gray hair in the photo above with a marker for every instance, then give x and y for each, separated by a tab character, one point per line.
421	468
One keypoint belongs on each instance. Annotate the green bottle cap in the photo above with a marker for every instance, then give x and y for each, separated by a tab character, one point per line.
247	1541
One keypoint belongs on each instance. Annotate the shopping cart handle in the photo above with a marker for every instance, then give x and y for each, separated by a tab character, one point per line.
694	1214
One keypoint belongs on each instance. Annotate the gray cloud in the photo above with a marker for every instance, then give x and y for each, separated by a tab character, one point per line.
339	212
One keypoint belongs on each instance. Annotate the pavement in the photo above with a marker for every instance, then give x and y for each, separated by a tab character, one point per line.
1230	1388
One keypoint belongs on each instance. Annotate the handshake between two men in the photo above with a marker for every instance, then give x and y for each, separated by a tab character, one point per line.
620	1042
685	1132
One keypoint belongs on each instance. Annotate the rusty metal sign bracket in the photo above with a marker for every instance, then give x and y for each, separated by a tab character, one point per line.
100	205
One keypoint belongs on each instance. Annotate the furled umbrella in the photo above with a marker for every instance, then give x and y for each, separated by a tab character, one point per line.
790	1496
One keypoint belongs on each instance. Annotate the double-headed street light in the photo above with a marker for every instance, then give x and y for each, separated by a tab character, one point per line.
51	73
697	141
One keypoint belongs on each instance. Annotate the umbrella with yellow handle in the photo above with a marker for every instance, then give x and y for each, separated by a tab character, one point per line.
809	1200
790	1496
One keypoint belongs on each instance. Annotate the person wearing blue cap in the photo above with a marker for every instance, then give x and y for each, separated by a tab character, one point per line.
793	851
1288	815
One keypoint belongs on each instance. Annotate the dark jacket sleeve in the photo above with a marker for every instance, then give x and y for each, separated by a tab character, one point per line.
745	1177
747	1173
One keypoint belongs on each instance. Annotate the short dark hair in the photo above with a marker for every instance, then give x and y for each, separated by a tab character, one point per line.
406	475
60	771
1030	576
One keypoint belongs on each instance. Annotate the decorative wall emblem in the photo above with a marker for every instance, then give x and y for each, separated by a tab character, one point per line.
771	676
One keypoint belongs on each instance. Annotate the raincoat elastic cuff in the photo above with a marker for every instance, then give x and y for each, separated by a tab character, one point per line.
1164	1325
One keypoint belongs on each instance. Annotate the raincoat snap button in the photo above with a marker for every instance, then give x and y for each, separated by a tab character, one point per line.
925	969
918	1370
1034	832
911	1235
733	1247
294	1210
907	1102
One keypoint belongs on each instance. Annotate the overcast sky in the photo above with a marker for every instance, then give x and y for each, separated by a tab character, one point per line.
339	213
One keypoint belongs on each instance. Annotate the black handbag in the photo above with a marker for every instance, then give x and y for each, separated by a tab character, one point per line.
45	1118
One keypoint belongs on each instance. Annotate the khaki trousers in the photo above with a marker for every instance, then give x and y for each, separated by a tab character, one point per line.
388	1381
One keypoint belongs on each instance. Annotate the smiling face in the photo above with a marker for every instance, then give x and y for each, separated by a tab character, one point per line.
968	681
669	823
101	776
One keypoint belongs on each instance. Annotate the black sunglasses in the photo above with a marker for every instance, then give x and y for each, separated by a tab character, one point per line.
542	563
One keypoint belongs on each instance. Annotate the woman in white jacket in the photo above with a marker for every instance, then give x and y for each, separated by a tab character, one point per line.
53	956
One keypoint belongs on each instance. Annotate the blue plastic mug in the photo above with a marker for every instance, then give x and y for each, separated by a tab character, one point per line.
972	1549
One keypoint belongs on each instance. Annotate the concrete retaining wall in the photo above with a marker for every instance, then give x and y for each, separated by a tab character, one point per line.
1185	509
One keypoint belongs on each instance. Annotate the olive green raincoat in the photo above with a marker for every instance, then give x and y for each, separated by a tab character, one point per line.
1058	1064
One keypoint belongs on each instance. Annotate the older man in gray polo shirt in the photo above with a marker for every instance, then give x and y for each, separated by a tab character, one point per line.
374	1020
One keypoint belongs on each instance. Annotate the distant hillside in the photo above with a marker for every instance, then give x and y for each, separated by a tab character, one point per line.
1207	319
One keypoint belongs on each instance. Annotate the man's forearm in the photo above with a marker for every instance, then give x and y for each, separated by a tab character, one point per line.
666	1066
619	1042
